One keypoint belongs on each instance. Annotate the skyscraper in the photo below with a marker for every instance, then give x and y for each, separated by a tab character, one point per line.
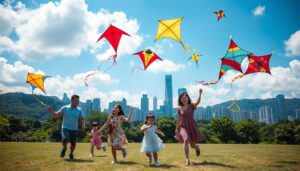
154	104
266	114
96	104
181	90
144	106
168	95
281	110
89	106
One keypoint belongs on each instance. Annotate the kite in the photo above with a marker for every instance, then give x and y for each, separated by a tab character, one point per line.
113	35
36	81
234	107
195	57
220	14
256	64
231	61
147	56
171	29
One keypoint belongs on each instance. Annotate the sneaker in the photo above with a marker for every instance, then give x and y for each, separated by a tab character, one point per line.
124	152
63	152
71	157
157	164
114	161
104	148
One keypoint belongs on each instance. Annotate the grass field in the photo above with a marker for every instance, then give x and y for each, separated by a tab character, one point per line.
45	156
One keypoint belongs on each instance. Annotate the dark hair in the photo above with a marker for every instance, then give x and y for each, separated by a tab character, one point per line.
179	99
148	117
96	124
121	110
74	97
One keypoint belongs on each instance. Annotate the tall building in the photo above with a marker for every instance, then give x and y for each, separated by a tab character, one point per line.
65	99
96	104
297	114
266	114
181	90
154	104
89	107
281	109
168	95
144	105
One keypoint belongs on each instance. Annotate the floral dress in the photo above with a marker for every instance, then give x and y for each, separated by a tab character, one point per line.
117	138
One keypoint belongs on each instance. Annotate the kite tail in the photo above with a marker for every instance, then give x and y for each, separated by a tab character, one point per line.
136	67
232	105
207	83
38	100
235	78
115	59
187	48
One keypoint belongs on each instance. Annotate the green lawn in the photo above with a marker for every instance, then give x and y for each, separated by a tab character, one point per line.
45	156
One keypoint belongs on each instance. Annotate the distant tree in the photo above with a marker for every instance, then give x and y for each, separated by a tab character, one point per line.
224	129
248	131
284	132
167	125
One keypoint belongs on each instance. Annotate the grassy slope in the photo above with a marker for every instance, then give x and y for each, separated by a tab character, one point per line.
44	156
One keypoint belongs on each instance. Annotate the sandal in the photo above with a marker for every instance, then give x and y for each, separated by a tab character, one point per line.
187	162
198	151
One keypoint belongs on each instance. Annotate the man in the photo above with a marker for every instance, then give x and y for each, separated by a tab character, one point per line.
70	113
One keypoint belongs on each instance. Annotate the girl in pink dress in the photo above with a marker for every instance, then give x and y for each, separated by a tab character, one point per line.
187	130
96	139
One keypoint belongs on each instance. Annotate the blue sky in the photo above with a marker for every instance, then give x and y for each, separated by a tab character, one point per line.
260	34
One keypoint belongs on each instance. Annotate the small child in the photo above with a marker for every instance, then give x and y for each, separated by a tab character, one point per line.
151	142
96	139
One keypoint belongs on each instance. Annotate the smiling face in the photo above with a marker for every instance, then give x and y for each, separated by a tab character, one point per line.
150	121
95	127
117	110
184	99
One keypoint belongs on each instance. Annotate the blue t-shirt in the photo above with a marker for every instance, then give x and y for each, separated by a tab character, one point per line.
70	117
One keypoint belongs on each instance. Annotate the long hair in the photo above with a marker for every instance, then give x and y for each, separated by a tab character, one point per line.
149	116
121	110
181	95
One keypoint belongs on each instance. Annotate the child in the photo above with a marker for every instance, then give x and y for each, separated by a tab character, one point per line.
189	133
151	142
96	139
116	136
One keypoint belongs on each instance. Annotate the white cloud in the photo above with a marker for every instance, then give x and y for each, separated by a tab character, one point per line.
64	28
292	45
259	10
166	66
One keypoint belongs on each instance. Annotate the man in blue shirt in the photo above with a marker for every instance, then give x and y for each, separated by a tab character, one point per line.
71	114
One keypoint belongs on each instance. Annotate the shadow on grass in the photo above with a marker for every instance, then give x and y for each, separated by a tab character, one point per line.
288	162
101	156
167	166
213	164
128	162
79	160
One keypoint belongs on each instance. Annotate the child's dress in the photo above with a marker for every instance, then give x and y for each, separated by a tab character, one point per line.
96	139
151	142
189	128
117	138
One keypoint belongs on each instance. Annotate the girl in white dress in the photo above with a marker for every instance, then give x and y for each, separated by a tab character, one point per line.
151	142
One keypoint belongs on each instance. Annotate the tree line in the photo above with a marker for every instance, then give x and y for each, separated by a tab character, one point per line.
217	130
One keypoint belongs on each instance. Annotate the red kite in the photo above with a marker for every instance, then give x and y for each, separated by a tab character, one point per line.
220	14
147	56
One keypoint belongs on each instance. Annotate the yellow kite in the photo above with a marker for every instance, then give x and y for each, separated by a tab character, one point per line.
170	29
36	81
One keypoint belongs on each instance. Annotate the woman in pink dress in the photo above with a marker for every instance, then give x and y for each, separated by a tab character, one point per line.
187	129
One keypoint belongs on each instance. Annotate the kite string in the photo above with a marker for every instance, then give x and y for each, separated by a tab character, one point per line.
136	67
38	100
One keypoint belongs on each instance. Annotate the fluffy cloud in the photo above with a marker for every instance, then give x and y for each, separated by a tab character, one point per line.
63	28
259	10
292	45
166	66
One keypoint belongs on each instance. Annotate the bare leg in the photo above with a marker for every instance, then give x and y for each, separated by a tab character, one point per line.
155	157
92	150
72	148
196	147
149	157
186	152
64	144
114	153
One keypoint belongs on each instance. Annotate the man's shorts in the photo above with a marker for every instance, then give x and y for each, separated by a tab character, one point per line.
69	136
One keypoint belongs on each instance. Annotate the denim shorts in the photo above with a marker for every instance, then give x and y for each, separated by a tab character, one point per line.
69	136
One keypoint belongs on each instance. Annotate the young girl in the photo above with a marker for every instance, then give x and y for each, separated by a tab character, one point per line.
151	142
96	139
116	136
189	133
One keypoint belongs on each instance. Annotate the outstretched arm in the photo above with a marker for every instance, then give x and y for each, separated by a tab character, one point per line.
106	124
145	127
160	132
54	114
199	99
128	119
